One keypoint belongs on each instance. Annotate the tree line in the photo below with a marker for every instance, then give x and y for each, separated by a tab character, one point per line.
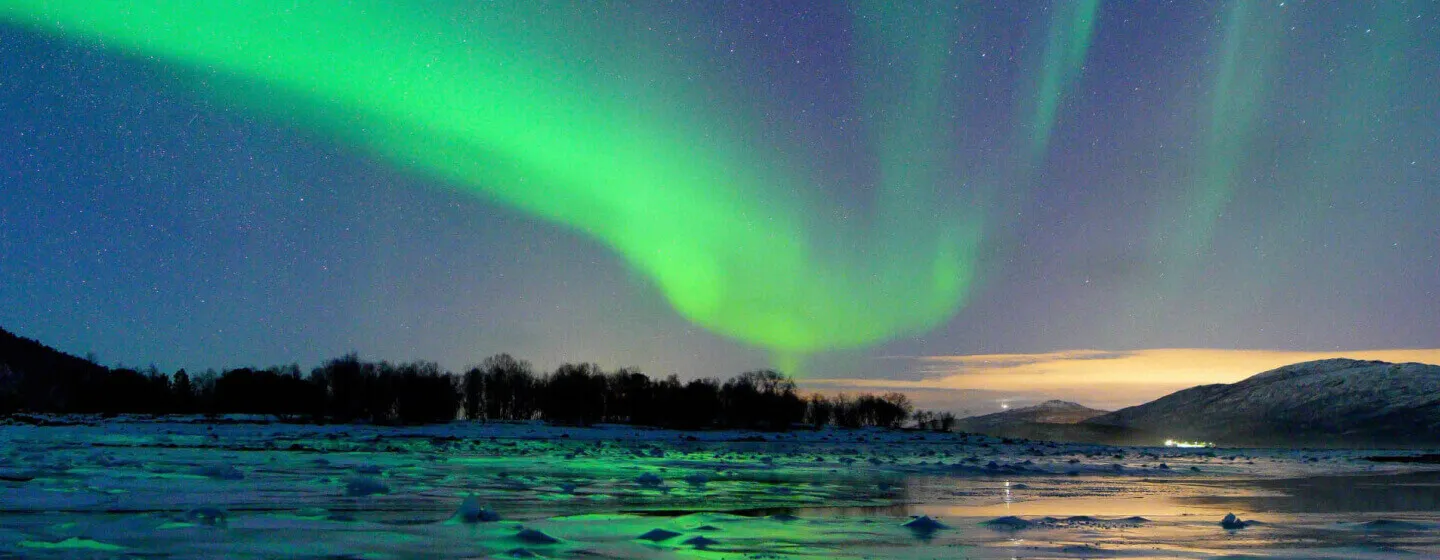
35	378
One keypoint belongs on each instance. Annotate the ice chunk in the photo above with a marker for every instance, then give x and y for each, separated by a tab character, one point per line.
472	512
924	524
219	472
700	541
73	543
533	536
1008	523
1387	525
658	535
364	486
214	517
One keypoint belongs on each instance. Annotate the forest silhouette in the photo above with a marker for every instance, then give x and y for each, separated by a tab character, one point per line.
35	378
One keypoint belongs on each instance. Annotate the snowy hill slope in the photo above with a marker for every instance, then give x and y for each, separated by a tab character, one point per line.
1053	420
1048	412
1335	402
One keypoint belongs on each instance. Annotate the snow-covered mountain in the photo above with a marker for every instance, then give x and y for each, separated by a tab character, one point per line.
1048	412
1335	402
1051	420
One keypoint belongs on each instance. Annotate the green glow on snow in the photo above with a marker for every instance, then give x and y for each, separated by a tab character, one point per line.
727	233
73	543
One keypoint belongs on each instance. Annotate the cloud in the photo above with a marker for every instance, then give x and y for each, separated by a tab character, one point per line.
1104	379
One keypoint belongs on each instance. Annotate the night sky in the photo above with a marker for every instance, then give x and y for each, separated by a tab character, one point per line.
858	191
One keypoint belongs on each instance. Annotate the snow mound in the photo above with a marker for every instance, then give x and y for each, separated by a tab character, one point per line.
700	542
219	472
1008	523
1232	522
658	535
924	524
214	517
472	512
365	486
1392	525
533	536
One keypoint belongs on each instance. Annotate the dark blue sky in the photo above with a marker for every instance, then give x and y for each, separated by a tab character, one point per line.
148	222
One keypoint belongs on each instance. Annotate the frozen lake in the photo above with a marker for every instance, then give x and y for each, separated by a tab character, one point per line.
122	488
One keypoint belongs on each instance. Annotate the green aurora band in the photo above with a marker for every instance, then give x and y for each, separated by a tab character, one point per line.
1242	83
728	232
1068	36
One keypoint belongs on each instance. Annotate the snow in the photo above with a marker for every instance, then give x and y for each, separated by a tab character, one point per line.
1325	403
143	487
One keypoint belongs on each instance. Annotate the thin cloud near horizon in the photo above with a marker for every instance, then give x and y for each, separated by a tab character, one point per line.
1100	378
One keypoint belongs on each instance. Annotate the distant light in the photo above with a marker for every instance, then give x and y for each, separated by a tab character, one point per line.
1188	444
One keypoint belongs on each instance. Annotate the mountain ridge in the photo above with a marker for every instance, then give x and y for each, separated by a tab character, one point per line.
1054	411
1050	420
1331	402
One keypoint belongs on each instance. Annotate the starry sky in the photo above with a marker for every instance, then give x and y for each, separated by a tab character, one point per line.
923	196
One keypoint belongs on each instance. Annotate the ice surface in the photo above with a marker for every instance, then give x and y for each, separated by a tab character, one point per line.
102	488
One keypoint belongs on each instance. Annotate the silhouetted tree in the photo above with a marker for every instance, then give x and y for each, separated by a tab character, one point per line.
346	382
847	412
946	421
182	393
897	409
630	398
574	394
9	390
474	393
204	384
279	391
696	405
923	419
761	399
509	388
379	394
34	377
123	390
818	410
424	394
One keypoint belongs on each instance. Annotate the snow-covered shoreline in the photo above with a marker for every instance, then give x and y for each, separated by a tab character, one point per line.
241	488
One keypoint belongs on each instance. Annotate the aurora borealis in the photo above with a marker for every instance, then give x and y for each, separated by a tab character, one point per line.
708	187
679	200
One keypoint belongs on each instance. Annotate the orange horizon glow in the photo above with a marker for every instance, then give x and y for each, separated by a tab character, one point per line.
1101	379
